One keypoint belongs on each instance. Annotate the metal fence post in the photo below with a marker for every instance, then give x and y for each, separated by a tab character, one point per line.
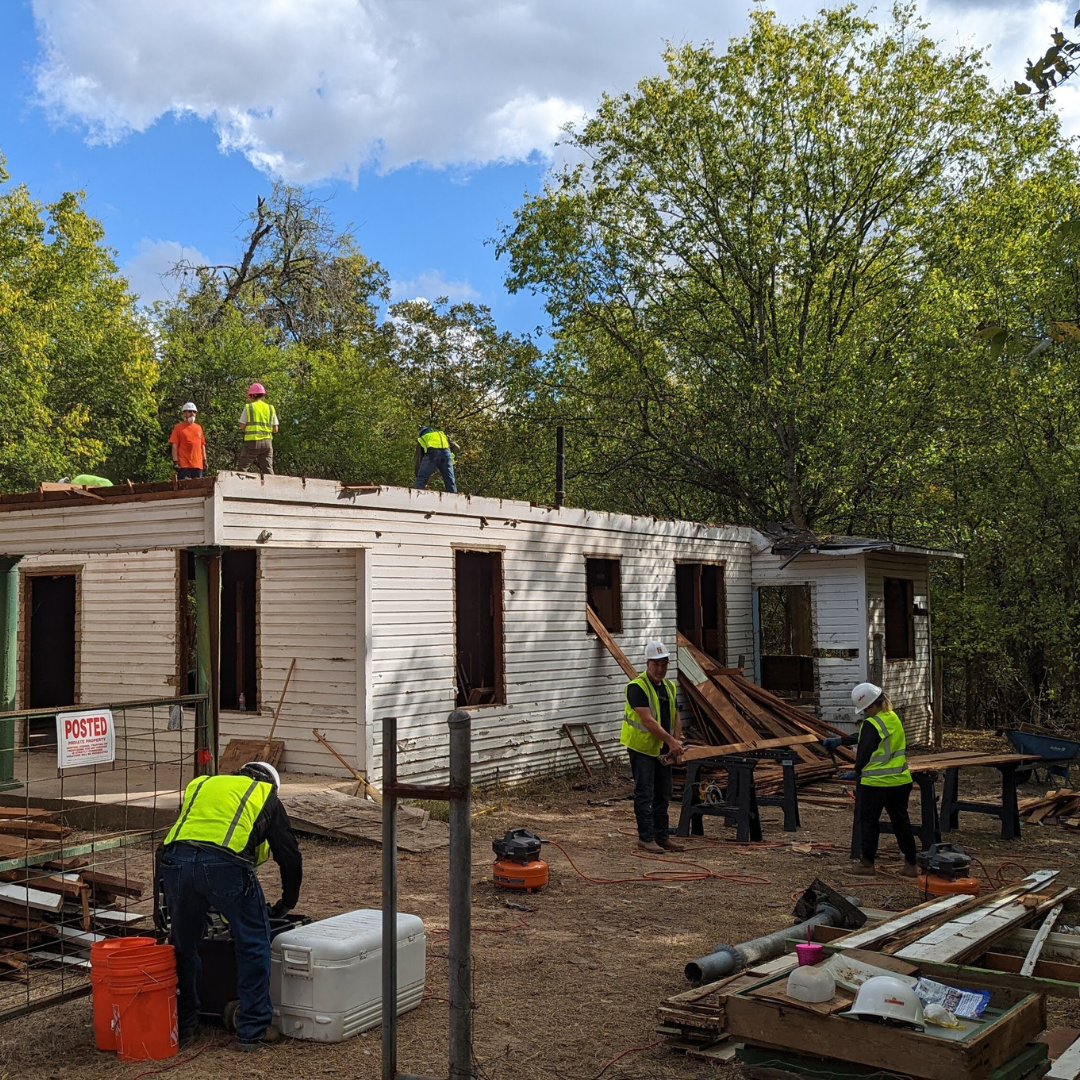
460	896
389	899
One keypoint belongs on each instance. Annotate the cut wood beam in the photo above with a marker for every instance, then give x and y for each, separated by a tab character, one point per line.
608	642
907	920
1033	953
696	753
1067	1066
32	898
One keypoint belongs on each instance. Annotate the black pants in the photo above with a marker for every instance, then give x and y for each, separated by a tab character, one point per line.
893	800
188	474
652	793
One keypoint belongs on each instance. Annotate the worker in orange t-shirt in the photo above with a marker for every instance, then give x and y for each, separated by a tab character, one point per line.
188	445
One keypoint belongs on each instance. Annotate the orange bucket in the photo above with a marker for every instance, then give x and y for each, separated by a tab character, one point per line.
99	981
142	985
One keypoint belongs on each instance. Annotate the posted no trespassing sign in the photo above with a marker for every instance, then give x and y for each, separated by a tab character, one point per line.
85	738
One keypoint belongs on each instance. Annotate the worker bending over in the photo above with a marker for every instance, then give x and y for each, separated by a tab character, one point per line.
434	452
227	826
259	423
651	723
881	772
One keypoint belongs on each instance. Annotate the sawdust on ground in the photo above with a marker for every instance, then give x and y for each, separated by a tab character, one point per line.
566	986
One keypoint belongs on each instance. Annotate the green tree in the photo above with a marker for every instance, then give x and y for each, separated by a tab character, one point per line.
77	368
737	269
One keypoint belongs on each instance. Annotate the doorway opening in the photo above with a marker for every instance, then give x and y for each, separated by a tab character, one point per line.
478	628
239	678
701	607
52	608
786	639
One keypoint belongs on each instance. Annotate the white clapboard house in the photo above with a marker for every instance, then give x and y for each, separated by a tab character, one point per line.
405	603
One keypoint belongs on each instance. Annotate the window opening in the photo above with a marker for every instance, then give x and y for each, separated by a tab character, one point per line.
899	619
51	601
603	593
478	608
701	607
786	639
239	659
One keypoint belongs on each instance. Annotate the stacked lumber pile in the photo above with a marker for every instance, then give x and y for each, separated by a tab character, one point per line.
1055	808
733	715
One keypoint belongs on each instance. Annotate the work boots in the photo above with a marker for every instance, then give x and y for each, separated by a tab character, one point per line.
908	870
650	845
863	868
668	844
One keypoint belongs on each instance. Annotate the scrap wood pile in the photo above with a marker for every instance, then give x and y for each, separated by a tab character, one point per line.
1055	808
49	910
733	715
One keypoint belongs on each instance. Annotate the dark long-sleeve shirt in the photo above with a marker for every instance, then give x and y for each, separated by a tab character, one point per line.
272	825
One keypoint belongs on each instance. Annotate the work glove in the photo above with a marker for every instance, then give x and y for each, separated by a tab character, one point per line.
832	742
847	776
279	910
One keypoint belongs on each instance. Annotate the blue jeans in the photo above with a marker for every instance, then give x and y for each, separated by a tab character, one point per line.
196	880
437	459
652	793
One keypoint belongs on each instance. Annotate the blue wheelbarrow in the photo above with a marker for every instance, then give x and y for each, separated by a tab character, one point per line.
1051	748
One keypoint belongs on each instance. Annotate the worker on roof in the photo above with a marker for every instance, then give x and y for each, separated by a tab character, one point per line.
227	826
188	445
882	777
434	452
259	423
650	723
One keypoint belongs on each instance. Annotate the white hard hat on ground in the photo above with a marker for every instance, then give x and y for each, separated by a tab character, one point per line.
269	773
864	695
655	651
885	997
189	406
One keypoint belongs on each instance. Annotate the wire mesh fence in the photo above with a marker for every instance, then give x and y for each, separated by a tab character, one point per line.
77	842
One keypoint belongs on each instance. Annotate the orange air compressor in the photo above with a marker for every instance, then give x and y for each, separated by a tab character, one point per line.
943	871
518	864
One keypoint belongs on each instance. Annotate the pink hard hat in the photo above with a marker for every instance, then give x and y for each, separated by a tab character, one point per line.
256	388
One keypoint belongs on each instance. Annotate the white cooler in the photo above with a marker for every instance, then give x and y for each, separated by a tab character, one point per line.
326	977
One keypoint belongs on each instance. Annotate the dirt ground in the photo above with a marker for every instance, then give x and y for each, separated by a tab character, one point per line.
568	979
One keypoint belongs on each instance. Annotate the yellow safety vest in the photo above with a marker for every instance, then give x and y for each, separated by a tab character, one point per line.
222	810
434	440
634	736
887	766
260	421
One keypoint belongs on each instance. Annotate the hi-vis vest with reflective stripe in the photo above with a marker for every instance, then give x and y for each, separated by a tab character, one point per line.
221	810
260	421
634	736
887	766
434	440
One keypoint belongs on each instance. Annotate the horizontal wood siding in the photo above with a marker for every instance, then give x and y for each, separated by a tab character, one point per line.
907	682
307	610
835	585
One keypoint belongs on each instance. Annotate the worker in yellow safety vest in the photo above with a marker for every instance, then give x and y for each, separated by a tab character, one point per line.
882	775
227	826
434	452
259	423
650	724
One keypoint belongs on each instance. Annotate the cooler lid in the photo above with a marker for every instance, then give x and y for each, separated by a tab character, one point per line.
341	937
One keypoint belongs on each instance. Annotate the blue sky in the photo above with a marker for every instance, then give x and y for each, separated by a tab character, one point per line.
423	122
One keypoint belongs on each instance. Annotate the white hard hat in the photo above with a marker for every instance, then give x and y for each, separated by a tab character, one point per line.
254	768
886	997
655	651
864	695
189	406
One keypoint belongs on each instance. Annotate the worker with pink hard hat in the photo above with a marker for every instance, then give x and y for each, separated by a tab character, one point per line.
259	423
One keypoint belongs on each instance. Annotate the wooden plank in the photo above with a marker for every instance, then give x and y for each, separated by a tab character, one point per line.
767	720
1041	935
43	830
609	643
33	898
110	883
915	916
239	752
727	716
696	753
1067	1066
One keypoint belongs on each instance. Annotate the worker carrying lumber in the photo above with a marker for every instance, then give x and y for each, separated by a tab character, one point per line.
188	445
881	772
651	722
227	826
434	452
259	423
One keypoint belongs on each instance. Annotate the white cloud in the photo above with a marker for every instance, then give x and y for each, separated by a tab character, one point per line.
430	285
313	89
148	269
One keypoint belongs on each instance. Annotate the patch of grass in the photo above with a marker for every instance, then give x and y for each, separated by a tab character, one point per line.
437	808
